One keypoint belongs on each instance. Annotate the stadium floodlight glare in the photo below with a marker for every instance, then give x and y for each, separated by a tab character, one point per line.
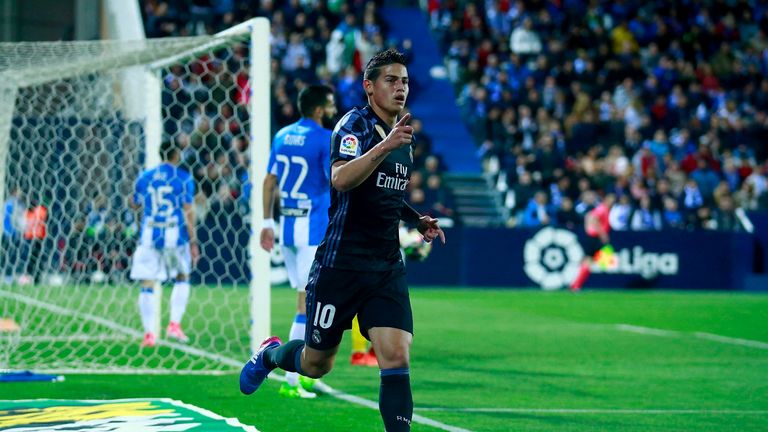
78	122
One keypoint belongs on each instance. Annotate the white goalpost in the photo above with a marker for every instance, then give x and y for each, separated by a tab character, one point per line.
78	123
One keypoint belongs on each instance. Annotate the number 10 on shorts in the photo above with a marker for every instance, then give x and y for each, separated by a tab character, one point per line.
324	315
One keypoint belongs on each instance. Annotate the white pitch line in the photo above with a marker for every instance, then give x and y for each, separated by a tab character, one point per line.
123	371
732	341
223	359
321	386
647	330
118	327
593	411
699	335
78	338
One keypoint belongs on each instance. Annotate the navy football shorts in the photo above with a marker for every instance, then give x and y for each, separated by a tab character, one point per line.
335	296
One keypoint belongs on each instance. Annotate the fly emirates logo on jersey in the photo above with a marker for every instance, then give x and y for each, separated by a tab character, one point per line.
398	182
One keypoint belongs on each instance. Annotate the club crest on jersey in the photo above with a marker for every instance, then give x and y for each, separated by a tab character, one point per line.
349	145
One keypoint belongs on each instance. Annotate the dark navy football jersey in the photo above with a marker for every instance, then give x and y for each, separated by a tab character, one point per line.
363	229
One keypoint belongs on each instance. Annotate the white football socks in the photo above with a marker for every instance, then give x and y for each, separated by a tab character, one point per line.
147	306
179	299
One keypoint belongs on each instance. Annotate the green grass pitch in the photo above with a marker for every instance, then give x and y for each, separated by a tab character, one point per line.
511	360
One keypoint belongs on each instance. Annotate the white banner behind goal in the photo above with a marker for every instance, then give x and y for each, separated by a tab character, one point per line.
78	122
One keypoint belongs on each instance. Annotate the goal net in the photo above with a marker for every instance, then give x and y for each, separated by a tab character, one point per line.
78	122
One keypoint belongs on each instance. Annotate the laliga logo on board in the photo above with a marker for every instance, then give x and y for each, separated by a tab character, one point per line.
646	264
552	259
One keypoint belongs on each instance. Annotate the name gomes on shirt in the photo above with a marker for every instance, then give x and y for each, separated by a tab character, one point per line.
393	182
294	140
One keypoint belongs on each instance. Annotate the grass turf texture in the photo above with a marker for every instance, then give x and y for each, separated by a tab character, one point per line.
514	349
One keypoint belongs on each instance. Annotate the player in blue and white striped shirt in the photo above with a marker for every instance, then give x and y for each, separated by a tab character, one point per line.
299	165
167	246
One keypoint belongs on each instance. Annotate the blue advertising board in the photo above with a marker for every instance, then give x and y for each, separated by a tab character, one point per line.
549	258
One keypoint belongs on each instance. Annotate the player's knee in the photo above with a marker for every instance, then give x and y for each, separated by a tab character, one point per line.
395	358
316	369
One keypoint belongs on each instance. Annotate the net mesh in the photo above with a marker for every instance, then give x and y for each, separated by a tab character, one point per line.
74	124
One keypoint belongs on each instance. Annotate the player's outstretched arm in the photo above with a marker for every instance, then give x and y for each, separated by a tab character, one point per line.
267	236
347	175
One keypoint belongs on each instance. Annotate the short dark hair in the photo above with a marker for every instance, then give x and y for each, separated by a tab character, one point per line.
168	149
383	58
313	97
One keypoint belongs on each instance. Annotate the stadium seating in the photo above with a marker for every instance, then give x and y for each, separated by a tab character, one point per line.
311	44
664	106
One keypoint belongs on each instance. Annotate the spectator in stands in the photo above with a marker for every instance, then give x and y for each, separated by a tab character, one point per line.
439	200
566	216
671	215
645	218
422	147
703	219
296	53
725	218
746	197
524	41
522	192
538	212
620	214
705	178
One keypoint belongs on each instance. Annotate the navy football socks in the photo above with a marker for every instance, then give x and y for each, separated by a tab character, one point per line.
287	356
395	400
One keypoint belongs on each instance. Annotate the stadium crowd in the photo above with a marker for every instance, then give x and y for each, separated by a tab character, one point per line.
664	104
205	104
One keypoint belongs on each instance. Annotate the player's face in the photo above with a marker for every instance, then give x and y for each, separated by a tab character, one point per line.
329	110
390	90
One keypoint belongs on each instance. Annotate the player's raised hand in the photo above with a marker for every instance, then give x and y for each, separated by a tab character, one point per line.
401	134
267	239
429	228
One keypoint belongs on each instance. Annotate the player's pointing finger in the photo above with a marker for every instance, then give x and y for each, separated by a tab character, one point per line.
404	120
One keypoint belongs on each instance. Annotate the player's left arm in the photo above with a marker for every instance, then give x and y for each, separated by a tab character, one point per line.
189	219
426	225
